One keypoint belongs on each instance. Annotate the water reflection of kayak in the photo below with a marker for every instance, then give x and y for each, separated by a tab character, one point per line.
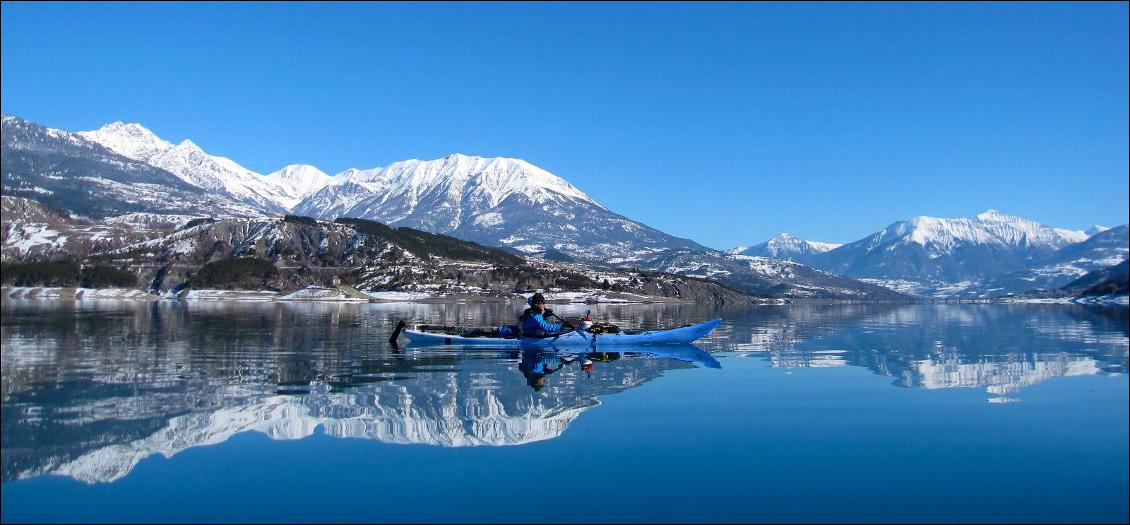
449	335
685	352
688	353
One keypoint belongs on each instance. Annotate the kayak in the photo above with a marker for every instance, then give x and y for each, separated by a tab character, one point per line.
425	335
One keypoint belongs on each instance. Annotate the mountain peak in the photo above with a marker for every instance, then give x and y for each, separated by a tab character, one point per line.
990	214
492	178
129	139
943	235
132	129
788	247
1096	229
299	180
300	169
190	163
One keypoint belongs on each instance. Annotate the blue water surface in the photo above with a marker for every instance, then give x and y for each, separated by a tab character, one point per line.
196	411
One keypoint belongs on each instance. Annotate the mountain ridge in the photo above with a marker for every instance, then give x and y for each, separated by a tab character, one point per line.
513	204
933	256
787	247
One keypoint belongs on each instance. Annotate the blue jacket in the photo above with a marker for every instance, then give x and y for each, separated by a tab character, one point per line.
534	362
533	323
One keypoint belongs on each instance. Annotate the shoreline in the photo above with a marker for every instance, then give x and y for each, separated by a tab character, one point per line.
323	295
350	295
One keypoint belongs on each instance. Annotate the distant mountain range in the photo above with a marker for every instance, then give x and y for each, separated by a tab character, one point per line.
122	169
949	250
502	202
787	247
1101	251
71	172
990	255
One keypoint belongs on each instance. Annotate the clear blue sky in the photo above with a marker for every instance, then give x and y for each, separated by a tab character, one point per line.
724	123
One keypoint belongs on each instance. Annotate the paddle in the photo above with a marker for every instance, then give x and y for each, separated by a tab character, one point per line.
396	333
564	322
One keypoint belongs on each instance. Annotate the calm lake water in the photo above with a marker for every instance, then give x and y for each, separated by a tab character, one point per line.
167	411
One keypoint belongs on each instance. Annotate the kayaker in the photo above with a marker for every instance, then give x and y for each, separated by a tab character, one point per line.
533	321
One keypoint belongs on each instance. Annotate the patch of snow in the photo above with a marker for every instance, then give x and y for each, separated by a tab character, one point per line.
112	293
318	293
528	248
398	296
24	237
229	295
489	220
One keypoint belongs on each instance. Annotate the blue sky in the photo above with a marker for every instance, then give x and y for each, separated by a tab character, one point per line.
723	123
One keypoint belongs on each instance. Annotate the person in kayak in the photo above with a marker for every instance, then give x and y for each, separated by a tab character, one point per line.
532	321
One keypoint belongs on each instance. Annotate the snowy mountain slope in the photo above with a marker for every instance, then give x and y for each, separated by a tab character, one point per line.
930	255
787	247
33	231
298	181
66	170
1102	250
769	277
502	202
450	191
1104	281
511	203
1095	230
194	166
492	201
489	179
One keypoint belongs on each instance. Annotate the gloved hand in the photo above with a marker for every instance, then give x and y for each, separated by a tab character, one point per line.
547	313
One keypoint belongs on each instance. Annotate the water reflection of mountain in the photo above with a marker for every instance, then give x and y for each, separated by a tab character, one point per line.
91	388
107	391
1002	348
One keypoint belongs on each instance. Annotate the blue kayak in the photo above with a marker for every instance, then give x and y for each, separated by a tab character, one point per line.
426	335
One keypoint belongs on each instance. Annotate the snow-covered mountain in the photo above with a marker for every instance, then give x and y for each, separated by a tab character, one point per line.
125	168
193	165
769	277
1095	230
492	201
939	256
66	170
32	231
512	203
298	181
1113	280
787	247
1103	250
